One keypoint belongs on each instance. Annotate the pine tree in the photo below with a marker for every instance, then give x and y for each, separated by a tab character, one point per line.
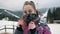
49	16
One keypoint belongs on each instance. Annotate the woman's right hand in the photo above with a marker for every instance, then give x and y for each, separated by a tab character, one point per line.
20	22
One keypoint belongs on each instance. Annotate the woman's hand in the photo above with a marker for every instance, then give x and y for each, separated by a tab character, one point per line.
20	22
31	25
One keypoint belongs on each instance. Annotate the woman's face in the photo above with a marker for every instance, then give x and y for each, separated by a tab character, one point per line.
28	9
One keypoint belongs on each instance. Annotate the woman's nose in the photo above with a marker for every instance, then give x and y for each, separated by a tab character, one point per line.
27	12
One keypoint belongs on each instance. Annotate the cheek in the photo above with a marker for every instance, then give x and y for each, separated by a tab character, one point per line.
24	13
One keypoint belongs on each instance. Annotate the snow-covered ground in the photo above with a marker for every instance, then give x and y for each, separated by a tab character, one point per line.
9	25
55	28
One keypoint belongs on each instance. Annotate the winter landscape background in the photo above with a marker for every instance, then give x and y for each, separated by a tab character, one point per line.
11	11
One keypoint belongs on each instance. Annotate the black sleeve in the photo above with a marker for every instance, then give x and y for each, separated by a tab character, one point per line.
33	31
19	28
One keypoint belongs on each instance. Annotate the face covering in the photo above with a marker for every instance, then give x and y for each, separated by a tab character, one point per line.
30	17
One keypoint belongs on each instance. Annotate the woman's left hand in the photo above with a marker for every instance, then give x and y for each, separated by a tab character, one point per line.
31	25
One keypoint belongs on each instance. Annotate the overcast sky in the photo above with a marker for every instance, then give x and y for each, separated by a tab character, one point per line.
18	4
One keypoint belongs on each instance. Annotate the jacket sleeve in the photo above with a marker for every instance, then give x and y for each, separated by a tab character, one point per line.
33	31
18	30
46	29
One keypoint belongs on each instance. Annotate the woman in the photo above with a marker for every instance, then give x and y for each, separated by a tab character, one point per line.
29	23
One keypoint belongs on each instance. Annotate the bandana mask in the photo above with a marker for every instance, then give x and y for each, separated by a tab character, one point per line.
30	17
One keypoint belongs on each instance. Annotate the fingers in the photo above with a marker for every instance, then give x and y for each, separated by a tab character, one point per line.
20	22
31	25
